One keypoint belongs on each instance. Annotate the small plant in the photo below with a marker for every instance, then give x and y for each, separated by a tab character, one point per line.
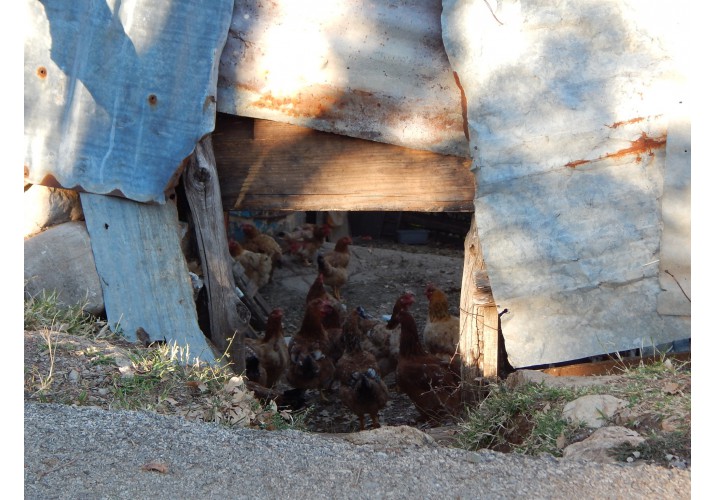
161	378
45	381
524	420
528	419
45	311
657	448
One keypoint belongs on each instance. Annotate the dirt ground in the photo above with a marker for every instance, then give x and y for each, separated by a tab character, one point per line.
380	271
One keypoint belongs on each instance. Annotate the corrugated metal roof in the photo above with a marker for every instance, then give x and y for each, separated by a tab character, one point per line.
371	70
118	93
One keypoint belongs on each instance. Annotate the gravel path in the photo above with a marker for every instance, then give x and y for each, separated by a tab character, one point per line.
83	452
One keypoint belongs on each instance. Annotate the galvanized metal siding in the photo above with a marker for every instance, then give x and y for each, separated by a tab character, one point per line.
569	108
371	70
118	93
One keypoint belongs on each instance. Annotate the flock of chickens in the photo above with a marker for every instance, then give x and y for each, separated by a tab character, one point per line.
342	348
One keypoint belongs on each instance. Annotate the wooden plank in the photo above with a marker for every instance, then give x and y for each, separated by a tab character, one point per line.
265	165
204	196
143	273
489	330
479	335
469	341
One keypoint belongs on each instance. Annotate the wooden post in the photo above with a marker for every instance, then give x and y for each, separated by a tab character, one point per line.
204	196
145	281
479	335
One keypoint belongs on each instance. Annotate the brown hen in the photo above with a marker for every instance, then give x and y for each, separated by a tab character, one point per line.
383	339
333	324
305	241
441	332
310	366
271	351
259	242
256	266
340	255
334	277
362	389
429	383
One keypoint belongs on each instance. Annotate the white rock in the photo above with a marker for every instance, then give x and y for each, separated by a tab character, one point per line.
60	259
594	410
596	447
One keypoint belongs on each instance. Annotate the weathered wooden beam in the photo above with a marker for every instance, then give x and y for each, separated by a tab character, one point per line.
479	336
143	273
204	196
488	327
469	349
265	165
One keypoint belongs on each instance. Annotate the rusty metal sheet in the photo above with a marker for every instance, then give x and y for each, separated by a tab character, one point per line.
118	93
371	70
568	107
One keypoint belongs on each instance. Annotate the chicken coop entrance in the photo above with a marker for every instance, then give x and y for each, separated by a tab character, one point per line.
390	193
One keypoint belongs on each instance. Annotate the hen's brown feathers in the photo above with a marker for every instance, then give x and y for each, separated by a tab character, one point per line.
383	340
271	351
256	266
333	324
310	366
441	331
362	389
334	277
262	243
340	255
305	241
431	385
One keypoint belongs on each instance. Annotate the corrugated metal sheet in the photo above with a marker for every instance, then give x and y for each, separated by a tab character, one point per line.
117	93
569	108
371	70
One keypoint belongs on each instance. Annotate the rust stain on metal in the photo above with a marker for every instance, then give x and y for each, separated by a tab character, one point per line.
642	145
42	72
463	102
152	99
331	104
610	367
299	105
627	122
576	163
